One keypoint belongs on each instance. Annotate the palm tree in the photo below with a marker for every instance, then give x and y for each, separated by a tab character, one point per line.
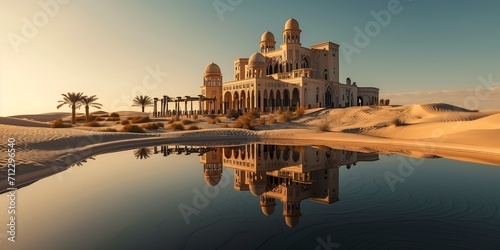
90	101
142	153
74	101
142	101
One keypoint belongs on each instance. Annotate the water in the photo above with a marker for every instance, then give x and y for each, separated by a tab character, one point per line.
259	197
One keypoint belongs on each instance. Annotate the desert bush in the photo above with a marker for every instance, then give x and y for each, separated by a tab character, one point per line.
177	118
212	121
108	130
59	123
193	127
261	121
299	112
211	116
187	122
272	119
286	117
112	119
124	122
253	114
140	119
150	126
195	117
244	122
233	114
279	111
176	126
93	123
81	118
160	124
224	125
324	125
114	115
398	122
132	128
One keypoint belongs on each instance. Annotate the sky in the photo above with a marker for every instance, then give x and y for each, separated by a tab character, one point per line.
118	49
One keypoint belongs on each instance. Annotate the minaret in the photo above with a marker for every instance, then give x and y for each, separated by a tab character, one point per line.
212	87
267	42
291	33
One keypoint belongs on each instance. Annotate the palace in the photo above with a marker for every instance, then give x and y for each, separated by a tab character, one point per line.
289	77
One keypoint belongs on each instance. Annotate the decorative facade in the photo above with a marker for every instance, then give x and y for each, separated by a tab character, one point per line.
287	77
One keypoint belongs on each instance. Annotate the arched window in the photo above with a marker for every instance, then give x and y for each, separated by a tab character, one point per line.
325	73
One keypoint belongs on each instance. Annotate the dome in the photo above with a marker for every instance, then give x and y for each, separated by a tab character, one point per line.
267	205
292	221
292	24
212	69
213	177
257	188
267	37
257	59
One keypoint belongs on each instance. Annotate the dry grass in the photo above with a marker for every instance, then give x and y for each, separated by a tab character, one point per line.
272	119
233	114
176	126
139	119
92	124
224	125
261	121
195	117
299	112
187	122
108	130
124	122
286	116
112	119
244	122
132	128
59	123
193	127
324	125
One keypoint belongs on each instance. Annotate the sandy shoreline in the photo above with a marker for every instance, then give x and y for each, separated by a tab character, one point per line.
425	132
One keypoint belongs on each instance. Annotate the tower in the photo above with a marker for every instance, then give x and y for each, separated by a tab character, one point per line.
212	87
267	42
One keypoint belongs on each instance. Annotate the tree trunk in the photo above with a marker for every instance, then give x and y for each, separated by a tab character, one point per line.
87	113
73	114
142	109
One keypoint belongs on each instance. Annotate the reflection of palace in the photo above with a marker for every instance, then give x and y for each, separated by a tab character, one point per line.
287	173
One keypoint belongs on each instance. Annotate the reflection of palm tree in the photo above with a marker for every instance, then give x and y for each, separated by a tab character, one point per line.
90	101
142	101
80	163
74	101
143	153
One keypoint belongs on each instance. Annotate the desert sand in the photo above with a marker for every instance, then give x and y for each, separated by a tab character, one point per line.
423	131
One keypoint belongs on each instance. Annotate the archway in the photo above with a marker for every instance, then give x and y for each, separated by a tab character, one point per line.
328	97
236	101
271	100
265	101
360	101
286	98
243	100
227	101
278	99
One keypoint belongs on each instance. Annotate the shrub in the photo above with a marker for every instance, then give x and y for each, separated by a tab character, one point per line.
261	121
160	124
217	119
398	122
299	112
279	111
233	114
171	121
211	116
253	114
186	122
80	118
176	126
59	123
150	126
324	125
93	123
114	115
140	119
177	118
224	125
193	127
286	117
112	119
124	122
195	117
132	128
272	119
212	121
108	130
245	122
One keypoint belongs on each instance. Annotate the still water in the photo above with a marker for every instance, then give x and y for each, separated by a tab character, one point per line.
259	196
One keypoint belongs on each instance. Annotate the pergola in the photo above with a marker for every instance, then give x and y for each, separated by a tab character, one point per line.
164	110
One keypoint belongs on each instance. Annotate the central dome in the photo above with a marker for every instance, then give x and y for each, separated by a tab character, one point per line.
292	24
267	37
212	69
257	59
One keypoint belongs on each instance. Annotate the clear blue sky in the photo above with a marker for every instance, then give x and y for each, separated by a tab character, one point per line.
105	47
